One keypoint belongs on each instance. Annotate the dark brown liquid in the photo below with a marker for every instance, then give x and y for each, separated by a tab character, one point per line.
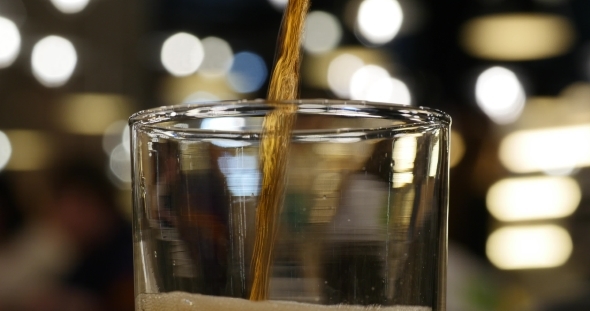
274	146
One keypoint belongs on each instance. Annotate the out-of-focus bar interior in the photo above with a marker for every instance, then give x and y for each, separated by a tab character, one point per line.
513	74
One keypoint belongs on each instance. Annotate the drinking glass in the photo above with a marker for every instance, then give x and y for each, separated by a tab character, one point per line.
363	222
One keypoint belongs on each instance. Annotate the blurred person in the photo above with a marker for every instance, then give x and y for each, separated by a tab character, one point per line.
77	256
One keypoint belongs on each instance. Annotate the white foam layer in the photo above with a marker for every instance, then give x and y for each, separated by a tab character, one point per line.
178	301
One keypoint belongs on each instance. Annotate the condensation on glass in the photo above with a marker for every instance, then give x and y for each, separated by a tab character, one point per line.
364	218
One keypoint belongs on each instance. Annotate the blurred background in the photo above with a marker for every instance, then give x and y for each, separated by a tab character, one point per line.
513	74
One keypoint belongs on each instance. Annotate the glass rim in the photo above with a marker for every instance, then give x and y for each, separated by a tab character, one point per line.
426	115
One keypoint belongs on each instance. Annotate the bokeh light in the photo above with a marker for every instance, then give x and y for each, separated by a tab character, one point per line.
373	83
518	36
279	4
5	150
248	73
532	198
340	73
9	42
200	97
218	57
549	149
70	6
457	148
500	94
322	32
31	150
528	247
74	111
53	60
113	136
379	21
120	165
182	54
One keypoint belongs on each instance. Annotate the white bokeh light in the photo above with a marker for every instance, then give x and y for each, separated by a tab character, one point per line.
379	21
53	60
322	32
373	83
113	136
120	164
340	72
5	150
70	6
279	4
218	57
500	94
10	41
182	54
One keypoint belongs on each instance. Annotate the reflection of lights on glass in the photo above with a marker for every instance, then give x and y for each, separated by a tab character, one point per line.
200	97
223	124
379	21
9	42
500	94
402	179
532	198
404	153
218	57
278	4
340	73
434	159
373	83
518	36
322	32
112	136
5	150
247	73
70	6
182	54
120	164
242	174
54	60
547	149
529	247
457	149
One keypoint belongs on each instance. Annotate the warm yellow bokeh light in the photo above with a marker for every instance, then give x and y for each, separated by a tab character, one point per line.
517	36
92	113
529	247
31	150
457	148
549	149
532	198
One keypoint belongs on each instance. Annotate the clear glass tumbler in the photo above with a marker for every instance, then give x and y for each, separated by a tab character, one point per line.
364	219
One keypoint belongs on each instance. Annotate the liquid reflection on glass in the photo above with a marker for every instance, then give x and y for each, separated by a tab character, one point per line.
354	229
